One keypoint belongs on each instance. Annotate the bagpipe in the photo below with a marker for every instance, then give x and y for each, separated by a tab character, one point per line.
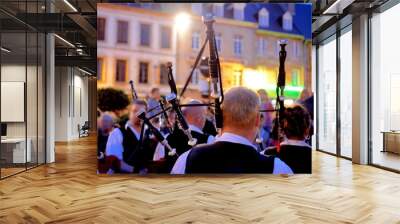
277	133
133	91
172	101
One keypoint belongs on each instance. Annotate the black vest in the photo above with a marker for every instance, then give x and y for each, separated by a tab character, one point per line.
150	143
134	155
227	157
298	158
179	140
209	128
129	143
101	142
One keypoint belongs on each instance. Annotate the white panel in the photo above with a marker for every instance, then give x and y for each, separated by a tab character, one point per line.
12	101
394	102
338	6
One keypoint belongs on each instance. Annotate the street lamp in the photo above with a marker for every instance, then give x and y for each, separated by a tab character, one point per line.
182	21
181	24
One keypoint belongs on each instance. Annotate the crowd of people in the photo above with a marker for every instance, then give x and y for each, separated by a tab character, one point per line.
245	144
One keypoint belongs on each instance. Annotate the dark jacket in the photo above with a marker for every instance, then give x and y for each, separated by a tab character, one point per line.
298	158
227	157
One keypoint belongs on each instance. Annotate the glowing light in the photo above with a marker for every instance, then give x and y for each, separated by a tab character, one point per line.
182	21
254	79
84	71
288	102
64	40
5	49
265	79
70	5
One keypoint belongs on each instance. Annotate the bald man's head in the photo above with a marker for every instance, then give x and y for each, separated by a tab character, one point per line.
106	123
195	115
240	111
135	107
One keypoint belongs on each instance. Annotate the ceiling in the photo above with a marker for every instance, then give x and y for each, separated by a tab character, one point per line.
330	15
72	20
75	22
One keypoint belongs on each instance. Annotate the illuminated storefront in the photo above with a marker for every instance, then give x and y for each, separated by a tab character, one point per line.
262	78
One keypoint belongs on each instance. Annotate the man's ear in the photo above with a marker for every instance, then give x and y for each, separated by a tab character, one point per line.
307	133
258	120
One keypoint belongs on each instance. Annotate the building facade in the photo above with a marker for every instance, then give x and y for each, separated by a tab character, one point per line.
134	44
247	37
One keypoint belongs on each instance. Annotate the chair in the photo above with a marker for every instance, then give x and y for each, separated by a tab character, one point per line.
84	129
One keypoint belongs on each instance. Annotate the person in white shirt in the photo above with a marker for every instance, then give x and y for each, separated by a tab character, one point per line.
294	150
196	118
233	151
122	141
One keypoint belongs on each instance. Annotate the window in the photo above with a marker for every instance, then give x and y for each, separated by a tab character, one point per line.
99	69
195	77
143	72
326	104
237	78
197	8
101	28
22	106
195	40
122	32
287	21
121	71
145	33
166	37
218	41
263	18
146	5
297	49
385	88
346	94
238	11
218	9
295	77
334	101
262	46
237	46
163	74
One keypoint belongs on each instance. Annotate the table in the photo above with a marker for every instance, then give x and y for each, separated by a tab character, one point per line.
391	141
16	147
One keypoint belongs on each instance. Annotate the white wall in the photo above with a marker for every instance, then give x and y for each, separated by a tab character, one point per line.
71	102
12	73
33	126
61	103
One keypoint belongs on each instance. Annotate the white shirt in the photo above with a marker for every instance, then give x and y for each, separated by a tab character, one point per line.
180	164
295	142
234	138
279	166
159	153
114	146
198	130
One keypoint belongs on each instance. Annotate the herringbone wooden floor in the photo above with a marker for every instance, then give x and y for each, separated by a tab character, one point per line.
69	191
